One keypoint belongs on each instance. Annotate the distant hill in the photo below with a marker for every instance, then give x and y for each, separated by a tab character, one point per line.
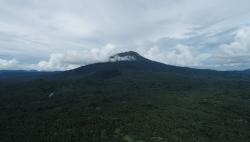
247	71
122	63
133	62
23	75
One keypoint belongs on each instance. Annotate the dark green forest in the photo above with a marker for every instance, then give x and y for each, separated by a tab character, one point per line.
111	102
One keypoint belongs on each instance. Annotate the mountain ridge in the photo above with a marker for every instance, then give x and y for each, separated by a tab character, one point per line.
142	64
119	63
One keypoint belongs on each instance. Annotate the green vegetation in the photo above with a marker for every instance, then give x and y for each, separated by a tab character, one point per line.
126	107
138	101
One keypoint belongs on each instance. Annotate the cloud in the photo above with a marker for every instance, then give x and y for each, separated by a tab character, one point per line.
73	59
241	44
62	34
236	54
181	55
8	64
72	25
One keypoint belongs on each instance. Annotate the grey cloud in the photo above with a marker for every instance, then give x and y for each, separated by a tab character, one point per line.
35	32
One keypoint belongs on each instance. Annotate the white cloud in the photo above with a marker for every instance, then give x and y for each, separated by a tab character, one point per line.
8	64
72	25
64	60
72	59
234	55
71	33
181	55
241	44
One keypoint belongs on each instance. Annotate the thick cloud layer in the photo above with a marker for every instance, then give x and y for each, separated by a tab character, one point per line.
62	34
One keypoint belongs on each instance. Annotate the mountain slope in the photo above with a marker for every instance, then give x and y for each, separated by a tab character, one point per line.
133	62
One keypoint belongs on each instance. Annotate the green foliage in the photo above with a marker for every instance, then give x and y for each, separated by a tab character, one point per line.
126	107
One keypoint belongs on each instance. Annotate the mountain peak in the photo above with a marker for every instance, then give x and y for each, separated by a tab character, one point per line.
126	56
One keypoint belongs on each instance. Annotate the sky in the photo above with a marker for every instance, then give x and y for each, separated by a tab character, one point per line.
65	34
